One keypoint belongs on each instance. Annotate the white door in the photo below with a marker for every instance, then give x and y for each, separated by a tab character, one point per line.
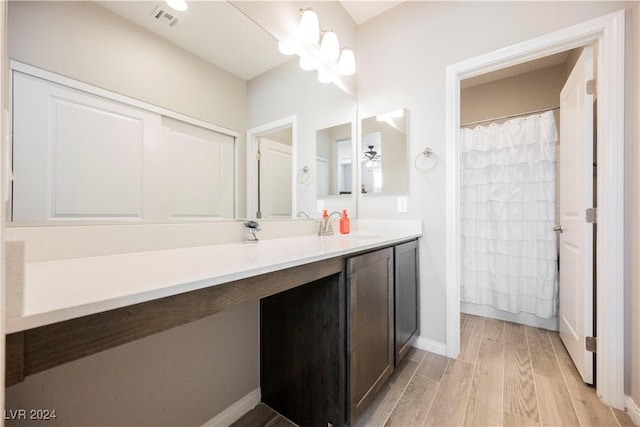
575	169
274	192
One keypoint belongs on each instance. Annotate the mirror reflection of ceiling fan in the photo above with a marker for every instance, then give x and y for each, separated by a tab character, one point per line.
371	154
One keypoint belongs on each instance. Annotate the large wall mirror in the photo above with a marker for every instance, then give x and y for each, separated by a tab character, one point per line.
383	153
211	64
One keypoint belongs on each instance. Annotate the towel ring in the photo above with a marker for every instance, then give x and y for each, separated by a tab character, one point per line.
426	153
304	175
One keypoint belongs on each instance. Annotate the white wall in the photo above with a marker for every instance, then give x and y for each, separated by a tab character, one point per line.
402	57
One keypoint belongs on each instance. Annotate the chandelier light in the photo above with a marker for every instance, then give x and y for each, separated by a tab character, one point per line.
309	27
326	56
330	47
347	62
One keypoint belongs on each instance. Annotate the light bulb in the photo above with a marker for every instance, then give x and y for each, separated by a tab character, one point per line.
325	76
307	64
309	27
347	62
330	47
286	48
178	5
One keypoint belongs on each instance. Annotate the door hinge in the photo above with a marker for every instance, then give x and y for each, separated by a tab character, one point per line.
591	344
591	215
592	87
258	156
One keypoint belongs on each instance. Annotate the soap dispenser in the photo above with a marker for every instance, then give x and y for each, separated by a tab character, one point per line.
345	223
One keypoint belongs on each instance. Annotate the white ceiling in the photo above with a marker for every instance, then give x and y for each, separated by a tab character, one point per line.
361	11
222	35
213	30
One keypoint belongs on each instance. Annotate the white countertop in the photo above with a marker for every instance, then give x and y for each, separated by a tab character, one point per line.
59	290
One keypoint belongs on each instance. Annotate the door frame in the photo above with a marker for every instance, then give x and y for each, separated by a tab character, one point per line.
608	32
253	135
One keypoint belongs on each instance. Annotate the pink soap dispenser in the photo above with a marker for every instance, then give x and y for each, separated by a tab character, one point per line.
345	223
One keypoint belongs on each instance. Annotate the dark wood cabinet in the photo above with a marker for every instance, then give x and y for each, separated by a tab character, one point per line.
302	357
406	286
328	347
370	344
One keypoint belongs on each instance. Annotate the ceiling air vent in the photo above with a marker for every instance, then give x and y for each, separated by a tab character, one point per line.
163	16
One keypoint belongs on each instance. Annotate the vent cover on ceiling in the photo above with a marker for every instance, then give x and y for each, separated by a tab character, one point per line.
164	17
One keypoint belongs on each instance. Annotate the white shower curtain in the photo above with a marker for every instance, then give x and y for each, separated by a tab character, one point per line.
508	205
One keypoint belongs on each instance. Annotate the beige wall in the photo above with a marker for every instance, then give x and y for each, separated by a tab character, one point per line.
189	374
402	58
514	95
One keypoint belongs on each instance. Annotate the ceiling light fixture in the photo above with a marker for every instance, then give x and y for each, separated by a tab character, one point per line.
330	47
309	27
178	5
326	57
347	62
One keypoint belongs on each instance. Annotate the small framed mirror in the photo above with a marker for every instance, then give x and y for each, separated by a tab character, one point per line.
334	161
383	153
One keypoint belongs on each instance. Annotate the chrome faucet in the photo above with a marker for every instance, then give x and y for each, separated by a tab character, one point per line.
253	227
326	229
303	214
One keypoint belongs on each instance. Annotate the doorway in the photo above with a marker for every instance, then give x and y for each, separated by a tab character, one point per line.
271	162
607	33
525	180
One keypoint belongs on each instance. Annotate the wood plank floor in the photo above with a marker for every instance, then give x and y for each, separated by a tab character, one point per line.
507	375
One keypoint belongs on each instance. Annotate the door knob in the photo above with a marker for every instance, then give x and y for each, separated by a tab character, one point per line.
558	228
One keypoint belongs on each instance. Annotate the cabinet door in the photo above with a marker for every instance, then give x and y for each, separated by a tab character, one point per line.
371	341
406	297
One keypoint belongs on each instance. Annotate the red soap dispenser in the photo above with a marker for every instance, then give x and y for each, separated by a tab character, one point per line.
345	223
325	214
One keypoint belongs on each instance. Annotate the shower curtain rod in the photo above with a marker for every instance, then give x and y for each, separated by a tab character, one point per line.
511	116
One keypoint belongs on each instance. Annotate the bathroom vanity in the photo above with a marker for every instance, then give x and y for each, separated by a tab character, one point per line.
337	312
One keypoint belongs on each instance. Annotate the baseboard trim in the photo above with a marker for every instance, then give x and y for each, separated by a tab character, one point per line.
633	410
235	411
431	346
